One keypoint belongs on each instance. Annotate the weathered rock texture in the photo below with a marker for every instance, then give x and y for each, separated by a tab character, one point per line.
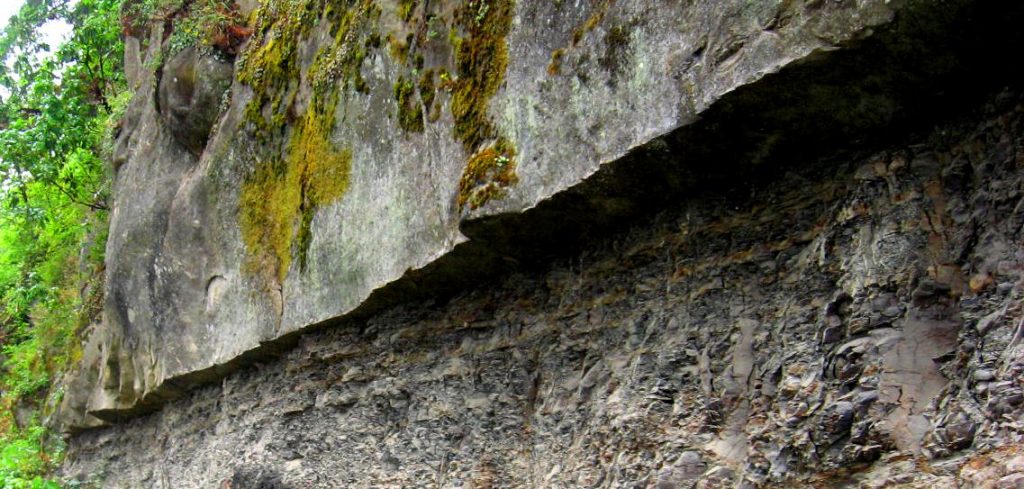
821	285
361	144
852	322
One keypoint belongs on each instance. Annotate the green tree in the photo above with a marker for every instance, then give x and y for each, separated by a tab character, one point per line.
58	105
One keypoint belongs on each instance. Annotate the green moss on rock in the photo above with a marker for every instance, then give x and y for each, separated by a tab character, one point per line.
428	94
354	33
398	48
279	200
488	174
301	169
555	66
271	64
406	9
481	59
410	112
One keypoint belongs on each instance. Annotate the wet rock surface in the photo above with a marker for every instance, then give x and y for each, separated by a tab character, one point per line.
854	321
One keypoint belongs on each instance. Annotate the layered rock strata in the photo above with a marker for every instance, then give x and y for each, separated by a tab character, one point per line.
853	322
543	244
358	155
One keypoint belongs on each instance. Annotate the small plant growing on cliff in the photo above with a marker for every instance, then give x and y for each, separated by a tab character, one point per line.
481	12
214	25
488	175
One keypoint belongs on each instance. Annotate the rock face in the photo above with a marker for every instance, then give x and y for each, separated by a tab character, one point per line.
358	139
852	322
190	93
819	286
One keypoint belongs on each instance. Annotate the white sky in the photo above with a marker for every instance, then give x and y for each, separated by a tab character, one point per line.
7	9
53	33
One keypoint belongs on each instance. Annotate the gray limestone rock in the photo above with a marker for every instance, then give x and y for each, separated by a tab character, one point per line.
192	293
535	380
191	94
742	254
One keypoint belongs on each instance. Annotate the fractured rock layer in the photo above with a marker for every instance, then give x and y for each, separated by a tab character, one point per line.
853	321
332	187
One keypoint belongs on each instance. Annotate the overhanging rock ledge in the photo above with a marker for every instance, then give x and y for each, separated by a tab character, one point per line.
422	163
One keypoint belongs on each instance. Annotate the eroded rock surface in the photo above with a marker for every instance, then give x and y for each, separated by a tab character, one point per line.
850	322
191	93
363	145
559	244
180	219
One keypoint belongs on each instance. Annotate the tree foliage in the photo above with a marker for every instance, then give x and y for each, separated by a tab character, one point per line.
58	108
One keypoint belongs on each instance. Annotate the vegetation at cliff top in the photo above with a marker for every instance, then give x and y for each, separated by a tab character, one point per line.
59	107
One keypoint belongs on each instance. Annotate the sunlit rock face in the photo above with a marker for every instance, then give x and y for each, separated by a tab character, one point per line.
293	195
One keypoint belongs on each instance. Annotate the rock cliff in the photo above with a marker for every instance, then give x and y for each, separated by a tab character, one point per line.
557	244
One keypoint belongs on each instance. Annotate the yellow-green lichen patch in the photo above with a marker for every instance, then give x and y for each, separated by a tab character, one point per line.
481	58
488	174
428	94
326	171
410	112
301	169
406	9
269	201
279	200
